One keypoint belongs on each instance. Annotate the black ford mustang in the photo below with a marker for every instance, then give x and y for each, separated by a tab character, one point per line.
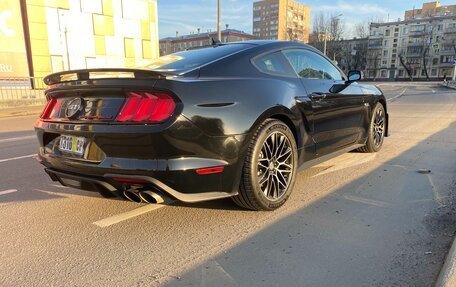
231	120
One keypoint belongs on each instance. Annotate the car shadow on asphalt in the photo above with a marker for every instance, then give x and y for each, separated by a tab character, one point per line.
390	227
228	204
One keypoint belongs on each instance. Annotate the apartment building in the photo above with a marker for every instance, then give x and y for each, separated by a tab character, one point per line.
351	54
180	43
281	20
431	9
39	37
416	48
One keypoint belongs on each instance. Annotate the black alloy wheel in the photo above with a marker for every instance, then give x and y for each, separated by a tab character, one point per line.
376	131
269	169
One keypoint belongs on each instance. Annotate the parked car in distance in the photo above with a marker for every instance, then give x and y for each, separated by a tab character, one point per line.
230	120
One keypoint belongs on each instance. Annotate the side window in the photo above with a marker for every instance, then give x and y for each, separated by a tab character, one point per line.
273	63
309	65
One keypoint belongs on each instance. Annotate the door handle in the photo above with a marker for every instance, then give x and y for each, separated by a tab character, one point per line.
317	97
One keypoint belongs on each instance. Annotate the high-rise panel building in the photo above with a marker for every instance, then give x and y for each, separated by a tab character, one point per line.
281	20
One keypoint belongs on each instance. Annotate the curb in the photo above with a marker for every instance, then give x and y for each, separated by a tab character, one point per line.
447	275
19	115
449	87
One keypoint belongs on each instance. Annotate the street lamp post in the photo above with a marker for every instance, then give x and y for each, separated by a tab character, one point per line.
219	24
326	32
454	70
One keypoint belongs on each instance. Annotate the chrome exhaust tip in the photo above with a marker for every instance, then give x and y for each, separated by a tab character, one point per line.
132	196
151	197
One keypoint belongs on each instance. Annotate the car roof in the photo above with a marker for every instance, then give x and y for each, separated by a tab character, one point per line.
275	44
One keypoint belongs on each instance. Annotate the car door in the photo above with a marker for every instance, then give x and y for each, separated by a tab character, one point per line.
337	117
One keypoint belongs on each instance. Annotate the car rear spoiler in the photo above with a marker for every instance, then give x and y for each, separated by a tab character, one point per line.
103	73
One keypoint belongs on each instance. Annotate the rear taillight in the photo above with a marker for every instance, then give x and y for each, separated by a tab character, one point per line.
52	107
146	107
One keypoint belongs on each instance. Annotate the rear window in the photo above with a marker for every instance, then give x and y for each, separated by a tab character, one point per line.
273	63
187	60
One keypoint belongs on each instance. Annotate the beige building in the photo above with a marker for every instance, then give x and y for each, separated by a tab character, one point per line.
180	43
430	9
423	48
281	20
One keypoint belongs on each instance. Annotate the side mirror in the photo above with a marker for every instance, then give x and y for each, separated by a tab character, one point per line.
354	76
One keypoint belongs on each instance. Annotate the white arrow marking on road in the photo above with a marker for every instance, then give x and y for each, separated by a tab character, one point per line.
18	157
17	139
7	191
127	215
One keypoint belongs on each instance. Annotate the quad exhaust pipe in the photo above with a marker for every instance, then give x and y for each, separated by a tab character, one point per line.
132	196
146	196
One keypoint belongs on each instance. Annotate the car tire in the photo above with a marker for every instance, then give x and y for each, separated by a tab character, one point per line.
269	169
377	129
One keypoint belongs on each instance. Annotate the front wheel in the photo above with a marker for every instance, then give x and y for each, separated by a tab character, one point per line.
269	169
377	128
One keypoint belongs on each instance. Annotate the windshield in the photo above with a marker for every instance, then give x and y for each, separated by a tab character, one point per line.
183	61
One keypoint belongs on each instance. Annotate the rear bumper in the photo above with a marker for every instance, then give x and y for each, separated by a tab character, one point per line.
166	157
107	184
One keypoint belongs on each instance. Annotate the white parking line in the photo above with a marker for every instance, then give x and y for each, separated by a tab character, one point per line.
127	215
18	157
59	186
17	139
7	191
53	193
345	161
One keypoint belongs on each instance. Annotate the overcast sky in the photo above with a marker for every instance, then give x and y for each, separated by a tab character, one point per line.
188	15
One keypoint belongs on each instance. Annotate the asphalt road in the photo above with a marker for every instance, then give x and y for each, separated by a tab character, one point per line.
357	220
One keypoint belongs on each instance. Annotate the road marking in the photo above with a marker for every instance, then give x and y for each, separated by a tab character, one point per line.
18	157
368	201
437	196
54	193
344	161
397	96
127	215
17	139
59	186
215	268
7	191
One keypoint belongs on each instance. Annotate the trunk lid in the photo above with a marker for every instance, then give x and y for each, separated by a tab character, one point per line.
95	95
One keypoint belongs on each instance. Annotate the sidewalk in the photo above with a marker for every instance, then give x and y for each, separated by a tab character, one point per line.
450	85
447	276
21	111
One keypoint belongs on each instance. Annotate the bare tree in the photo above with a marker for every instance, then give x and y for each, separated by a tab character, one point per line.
427	41
362	29
336	28
327	27
319	24
407	69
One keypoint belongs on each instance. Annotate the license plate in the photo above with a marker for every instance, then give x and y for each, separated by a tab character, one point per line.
72	144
